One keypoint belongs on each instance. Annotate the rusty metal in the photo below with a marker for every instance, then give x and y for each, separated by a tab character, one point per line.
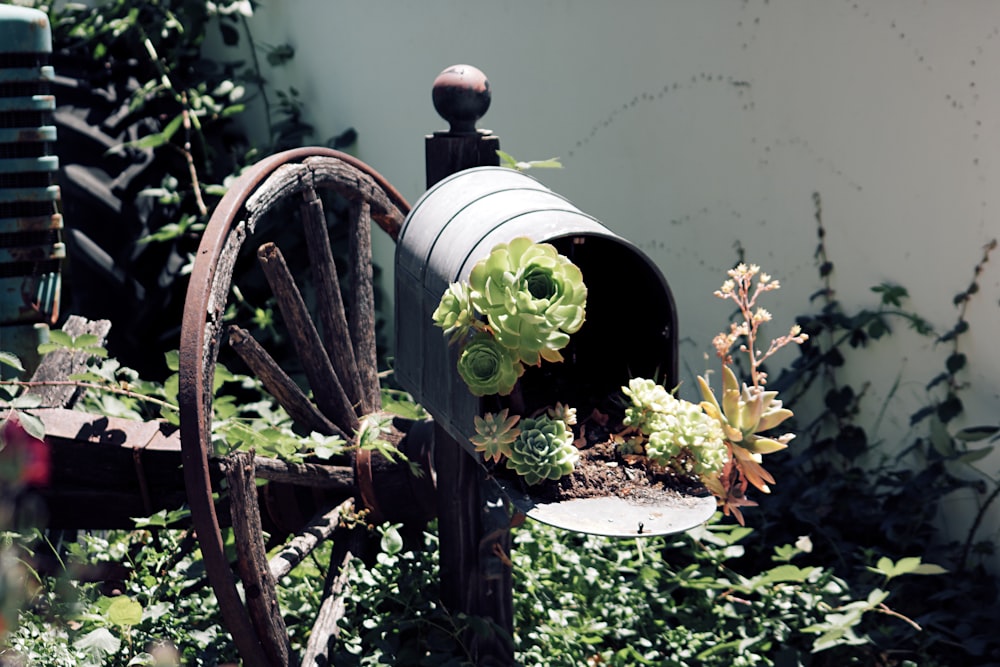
31	248
296	171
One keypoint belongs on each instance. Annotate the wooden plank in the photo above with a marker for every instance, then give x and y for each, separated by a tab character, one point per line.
326	387
84	427
258	585
59	365
285	390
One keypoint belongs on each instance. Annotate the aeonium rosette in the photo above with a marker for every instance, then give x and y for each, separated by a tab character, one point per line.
543	450
488	367
519	307
533	298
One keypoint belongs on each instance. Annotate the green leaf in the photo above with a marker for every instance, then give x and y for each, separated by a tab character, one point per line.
32	425
99	641
8	359
892	295
890	569
507	160
60	337
955	362
392	541
783	573
86	340
124	611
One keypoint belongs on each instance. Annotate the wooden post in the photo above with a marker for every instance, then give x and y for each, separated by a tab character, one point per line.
473	519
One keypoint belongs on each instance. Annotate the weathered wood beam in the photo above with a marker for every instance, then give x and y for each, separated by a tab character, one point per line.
326	386
277	382
258	585
299	547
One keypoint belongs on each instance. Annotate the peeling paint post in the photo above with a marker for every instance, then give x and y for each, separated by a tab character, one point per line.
473	518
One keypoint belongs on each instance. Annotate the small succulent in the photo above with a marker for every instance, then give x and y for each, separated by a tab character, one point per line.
688	430
454	313
533	298
543	450
743	414
563	412
649	401
488	367
675	431
494	434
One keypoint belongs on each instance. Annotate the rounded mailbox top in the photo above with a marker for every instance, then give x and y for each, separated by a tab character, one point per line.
461	96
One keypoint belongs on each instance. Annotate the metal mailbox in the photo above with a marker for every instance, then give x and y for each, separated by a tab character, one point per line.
631	323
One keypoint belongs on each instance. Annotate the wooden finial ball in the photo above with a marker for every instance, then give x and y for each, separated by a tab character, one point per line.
461	96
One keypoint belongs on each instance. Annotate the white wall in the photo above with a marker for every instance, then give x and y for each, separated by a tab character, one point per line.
689	127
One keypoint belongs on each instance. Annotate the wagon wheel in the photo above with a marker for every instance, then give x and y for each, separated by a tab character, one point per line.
334	343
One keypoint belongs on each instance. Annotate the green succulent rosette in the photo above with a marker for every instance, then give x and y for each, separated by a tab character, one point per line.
543	450
454	313
488	367
533	298
685	428
672	427
494	434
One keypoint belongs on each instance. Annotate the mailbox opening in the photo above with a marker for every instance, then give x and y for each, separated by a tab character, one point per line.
629	330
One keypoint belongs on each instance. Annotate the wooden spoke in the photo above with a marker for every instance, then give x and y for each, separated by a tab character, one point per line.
363	316
261	596
331	329
329	302
327	388
278	384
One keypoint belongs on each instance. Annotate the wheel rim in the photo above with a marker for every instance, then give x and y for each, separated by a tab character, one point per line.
296	172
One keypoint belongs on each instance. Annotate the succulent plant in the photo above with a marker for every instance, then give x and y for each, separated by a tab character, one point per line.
563	412
676	431
743	414
454	313
488	367
543	450
649	401
687	430
533	298
494	434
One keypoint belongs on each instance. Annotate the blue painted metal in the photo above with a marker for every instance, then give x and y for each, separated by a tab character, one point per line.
31	248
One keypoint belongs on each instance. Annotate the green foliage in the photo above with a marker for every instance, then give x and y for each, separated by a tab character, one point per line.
162	607
871	503
507	160
85	343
